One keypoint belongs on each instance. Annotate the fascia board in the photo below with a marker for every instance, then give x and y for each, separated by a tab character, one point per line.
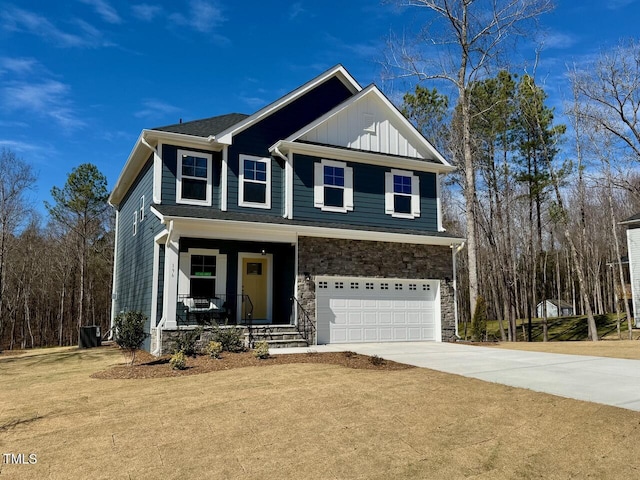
369	158
233	229
226	136
131	168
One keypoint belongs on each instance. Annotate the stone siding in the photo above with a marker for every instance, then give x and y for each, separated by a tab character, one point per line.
360	258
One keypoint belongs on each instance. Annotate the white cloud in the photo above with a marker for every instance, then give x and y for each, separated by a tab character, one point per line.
18	20
13	19
47	99
617	4
558	40
203	16
105	10
146	12
295	10
17	66
153	108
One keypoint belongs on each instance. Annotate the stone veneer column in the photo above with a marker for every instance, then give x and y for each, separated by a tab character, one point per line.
360	258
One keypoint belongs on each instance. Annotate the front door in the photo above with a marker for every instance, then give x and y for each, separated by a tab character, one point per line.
255	284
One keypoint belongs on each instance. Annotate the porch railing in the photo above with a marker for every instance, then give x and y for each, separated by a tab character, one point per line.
221	309
305	325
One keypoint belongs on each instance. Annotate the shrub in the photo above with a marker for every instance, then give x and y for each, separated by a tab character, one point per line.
214	349
187	342
232	338
178	361
129	332
261	350
376	360
479	321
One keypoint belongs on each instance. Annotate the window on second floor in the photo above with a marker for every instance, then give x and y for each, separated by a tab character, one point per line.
194	178
254	182
141	208
333	186
135	223
402	194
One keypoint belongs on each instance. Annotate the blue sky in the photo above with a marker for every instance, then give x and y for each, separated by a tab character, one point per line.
80	79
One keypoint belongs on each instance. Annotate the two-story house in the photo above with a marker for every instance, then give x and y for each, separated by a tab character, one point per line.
320	211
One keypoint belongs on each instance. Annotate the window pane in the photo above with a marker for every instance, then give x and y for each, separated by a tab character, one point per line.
261	171
249	170
194	166
333	197
202	287
401	184
401	204
194	189
334	176
203	265
255	192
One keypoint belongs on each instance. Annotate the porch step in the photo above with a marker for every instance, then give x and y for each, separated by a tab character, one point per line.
277	336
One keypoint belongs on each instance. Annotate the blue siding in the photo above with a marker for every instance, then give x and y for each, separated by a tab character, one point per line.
134	273
257	139
368	198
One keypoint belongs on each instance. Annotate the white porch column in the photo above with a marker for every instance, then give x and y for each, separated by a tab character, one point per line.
172	255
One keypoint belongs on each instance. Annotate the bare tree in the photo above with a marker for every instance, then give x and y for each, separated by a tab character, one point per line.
16	178
469	37
608	94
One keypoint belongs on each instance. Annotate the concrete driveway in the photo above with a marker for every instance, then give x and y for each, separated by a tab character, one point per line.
609	381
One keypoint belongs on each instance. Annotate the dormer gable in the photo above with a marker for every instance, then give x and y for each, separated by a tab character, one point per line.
369	122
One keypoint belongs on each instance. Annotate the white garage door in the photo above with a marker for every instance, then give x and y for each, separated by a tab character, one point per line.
357	309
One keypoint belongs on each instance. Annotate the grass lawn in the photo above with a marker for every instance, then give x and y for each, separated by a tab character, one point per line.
297	421
560	329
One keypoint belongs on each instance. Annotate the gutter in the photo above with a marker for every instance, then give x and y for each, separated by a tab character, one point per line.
454	252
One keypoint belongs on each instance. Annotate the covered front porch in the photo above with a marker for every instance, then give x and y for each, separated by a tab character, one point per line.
233	282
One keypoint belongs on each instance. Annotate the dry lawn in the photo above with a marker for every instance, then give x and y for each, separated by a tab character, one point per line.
605	348
298	421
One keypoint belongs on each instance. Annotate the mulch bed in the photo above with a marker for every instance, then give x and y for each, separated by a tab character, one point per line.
148	366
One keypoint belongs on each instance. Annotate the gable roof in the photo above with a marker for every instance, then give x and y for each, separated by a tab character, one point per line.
388	138
206	126
409	143
337	71
557	303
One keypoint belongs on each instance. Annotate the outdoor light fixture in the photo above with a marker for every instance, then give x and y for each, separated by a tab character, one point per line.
263	252
307	276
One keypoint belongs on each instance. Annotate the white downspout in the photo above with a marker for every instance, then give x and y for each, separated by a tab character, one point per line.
114	293
454	251
158	350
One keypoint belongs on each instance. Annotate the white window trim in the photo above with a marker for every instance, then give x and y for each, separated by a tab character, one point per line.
141	208
135	223
318	186
241	180
389	194
184	277
191	201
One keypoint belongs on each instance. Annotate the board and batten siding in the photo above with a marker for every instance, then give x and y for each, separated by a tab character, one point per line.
366	125
368	198
134	272
633	244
